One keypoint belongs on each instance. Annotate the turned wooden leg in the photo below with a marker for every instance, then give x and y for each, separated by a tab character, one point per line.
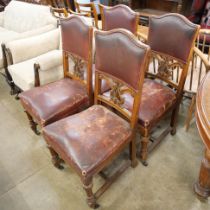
32	124
56	160
91	200
202	186
144	150
189	113
133	153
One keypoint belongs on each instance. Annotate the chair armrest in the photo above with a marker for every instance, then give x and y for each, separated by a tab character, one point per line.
1	18
24	49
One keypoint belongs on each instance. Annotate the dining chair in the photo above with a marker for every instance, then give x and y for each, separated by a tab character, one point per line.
56	100
200	65
171	38
90	140
88	9
119	16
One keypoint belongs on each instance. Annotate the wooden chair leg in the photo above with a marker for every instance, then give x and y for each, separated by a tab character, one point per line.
91	200
32	124
144	149
189	113
174	120
55	158
133	153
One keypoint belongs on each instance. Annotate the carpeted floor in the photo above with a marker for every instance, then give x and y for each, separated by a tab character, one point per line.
28	181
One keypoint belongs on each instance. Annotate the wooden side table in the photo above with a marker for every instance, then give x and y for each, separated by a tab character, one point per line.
202	186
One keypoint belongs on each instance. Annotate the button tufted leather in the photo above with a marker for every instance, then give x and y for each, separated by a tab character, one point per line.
54	101
85	140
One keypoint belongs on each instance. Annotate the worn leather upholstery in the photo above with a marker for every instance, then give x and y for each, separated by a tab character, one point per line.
172	35
155	101
119	16
130	57
75	37
54	101
87	139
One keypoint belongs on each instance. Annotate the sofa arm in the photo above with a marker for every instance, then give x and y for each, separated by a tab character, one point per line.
24	49
49	60
1	19
46	62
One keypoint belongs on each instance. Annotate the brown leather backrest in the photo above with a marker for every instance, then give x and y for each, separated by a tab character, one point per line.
119	16
172	34
76	36
120	55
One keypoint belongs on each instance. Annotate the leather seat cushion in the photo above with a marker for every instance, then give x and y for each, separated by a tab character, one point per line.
54	101
155	101
85	140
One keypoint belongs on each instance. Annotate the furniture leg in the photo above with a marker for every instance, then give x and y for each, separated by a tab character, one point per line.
202	186
144	149
190	112
32	124
88	185
174	120
55	158
133	153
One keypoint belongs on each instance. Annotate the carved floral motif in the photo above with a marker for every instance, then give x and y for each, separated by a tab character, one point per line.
79	65
115	94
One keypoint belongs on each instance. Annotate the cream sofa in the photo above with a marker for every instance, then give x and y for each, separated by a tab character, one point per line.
20	20
43	51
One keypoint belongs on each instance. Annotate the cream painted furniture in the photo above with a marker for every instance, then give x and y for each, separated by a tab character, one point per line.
40	55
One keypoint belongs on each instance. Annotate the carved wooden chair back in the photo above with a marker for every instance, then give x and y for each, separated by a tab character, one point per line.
77	39
170	59
88	9
124	74
119	16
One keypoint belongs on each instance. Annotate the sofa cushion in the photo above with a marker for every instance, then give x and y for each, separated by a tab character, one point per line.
31	47
23	73
21	16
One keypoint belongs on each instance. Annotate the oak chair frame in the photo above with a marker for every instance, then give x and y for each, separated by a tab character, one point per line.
91	13
68	74
200	61
111	102
173	63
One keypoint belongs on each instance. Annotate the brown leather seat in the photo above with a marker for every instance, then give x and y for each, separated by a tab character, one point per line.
88	138
156	100
54	101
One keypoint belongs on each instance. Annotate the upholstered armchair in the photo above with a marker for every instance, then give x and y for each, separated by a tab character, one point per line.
35	61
